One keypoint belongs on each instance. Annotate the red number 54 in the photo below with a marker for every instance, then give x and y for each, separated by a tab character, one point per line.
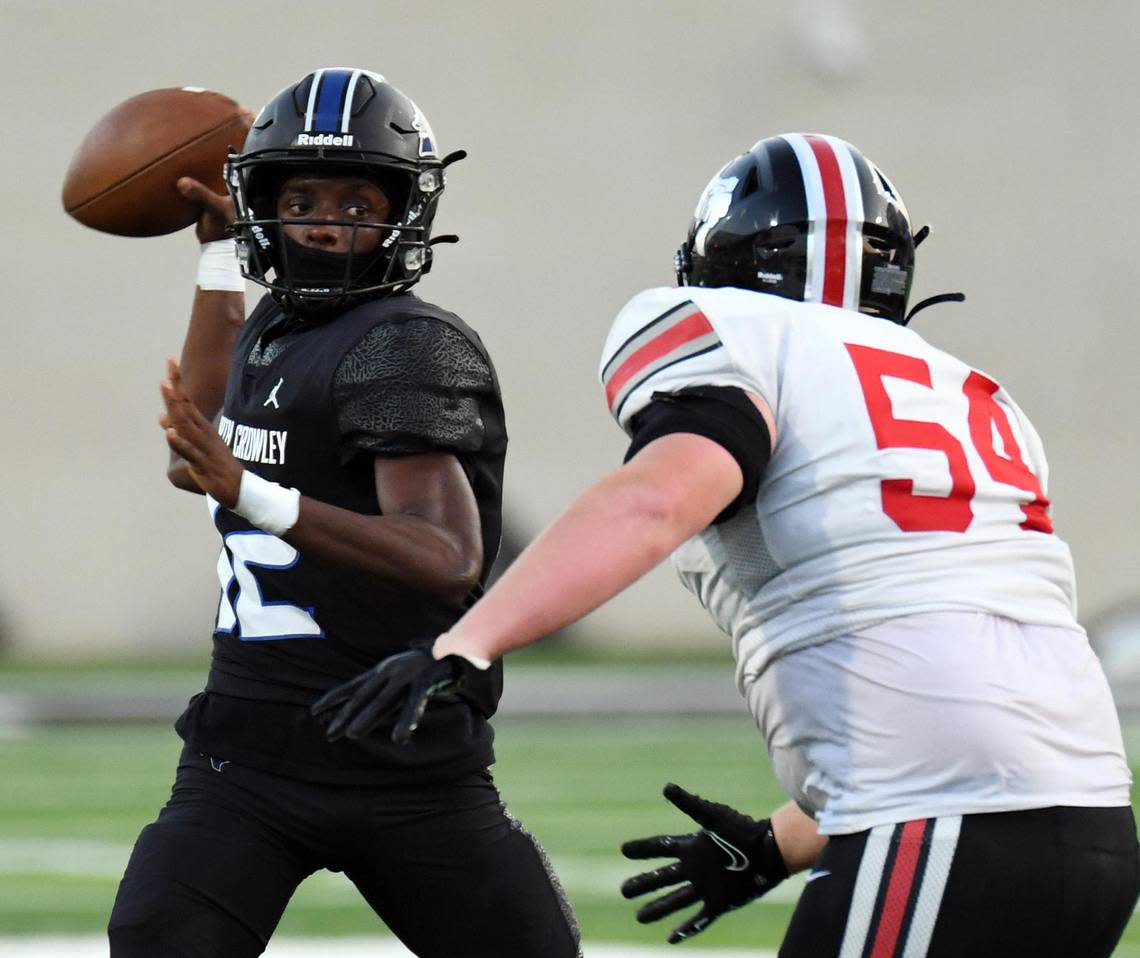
954	512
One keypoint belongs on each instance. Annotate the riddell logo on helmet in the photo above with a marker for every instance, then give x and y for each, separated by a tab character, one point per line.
324	139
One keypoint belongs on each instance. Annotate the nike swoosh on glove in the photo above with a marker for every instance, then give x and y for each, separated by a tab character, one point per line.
733	860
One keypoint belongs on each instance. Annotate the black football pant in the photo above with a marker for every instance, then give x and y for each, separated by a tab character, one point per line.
1047	883
445	866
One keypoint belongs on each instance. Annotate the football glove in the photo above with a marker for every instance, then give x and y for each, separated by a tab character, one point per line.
397	689
731	861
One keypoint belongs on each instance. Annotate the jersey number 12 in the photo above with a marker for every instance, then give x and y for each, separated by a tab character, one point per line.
255	618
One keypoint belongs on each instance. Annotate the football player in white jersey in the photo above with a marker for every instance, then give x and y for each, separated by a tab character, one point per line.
866	517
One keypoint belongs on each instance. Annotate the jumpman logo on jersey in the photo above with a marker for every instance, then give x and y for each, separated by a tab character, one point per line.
273	394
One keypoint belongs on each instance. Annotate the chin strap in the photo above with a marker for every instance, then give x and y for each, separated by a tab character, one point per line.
919	236
428	254
933	301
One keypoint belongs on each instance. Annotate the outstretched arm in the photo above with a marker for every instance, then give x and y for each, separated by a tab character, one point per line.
609	537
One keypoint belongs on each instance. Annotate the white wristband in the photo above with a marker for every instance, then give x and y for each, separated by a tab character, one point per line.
218	267
476	660
267	505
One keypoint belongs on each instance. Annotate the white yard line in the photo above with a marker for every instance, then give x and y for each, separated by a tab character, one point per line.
62	946
592	876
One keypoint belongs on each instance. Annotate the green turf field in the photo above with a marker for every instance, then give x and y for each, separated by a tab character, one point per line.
74	797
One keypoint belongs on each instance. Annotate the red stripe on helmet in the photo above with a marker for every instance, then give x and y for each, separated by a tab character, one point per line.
835	203
690	328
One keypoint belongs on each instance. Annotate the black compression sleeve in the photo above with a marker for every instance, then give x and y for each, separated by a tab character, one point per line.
723	414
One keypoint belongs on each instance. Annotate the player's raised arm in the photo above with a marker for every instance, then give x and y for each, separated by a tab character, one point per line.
217	314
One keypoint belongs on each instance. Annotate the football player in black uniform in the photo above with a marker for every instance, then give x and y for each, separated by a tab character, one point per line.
352	462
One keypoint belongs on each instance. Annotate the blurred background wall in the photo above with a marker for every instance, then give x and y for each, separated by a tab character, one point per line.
592	127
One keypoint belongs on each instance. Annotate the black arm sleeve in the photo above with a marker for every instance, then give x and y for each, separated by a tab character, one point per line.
723	414
411	387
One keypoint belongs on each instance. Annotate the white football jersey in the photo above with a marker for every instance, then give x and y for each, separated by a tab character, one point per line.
941	713
901	543
902	481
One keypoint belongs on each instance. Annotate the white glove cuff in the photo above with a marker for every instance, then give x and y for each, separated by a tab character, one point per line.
267	505
218	267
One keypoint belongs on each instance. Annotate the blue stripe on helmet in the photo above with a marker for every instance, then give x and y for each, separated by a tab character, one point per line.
330	100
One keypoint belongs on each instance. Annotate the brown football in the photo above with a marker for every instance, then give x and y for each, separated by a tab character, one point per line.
123	175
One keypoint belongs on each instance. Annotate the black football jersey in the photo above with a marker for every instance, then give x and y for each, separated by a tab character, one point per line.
310	406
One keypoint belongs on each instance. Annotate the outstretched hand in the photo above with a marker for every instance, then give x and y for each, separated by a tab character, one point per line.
731	861
397	689
215	211
194	438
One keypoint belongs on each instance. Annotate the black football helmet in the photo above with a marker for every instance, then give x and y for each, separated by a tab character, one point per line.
337	122
806	217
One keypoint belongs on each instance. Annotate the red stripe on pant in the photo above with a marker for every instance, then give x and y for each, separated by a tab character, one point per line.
900	888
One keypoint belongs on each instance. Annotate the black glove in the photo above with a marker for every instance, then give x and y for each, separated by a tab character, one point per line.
731	861
402	685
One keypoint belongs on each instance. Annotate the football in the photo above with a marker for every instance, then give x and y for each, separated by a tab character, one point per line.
122	177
